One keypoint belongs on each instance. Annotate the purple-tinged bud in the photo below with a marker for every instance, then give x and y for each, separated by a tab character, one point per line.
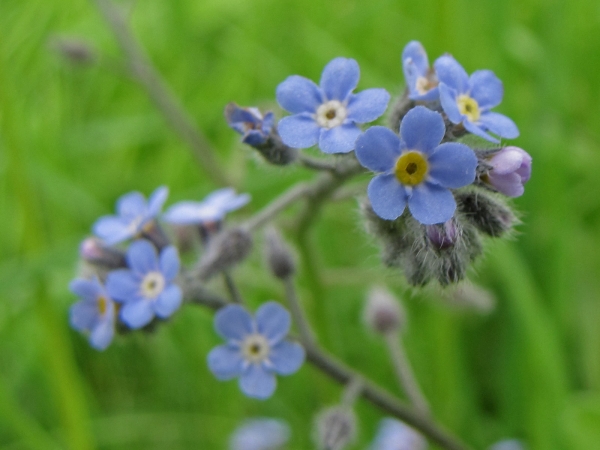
226	249
383	312
336	428
510	170
442	236
278	254
93	251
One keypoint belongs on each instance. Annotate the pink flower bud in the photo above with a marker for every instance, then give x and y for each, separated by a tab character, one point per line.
511	169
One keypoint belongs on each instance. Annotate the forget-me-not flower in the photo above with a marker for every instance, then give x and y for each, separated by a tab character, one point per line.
420	78
510	170
415	169
212	209
133	214
328	114
260	434
468	100
396	435
250	123
146	289
256	349
95	313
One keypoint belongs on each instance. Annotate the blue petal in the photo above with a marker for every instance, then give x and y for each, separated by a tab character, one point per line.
233	322
268	122
486	89
453	165
112	230
478	130
451	73
142	257
219	196
387	196
378	148
189	213
499	124
287	357
273	321
422	129
168	301
225	362
83	315
368	105
339	78
156	201
131	205
236	202
254	138
340	139
430	96
299	131
414	61
448	98
298	94
236	117
169	262
103	334
256	382
122	285
431	204
138	313
86	289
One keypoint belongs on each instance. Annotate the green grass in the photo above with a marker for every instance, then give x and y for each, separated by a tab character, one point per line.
72	139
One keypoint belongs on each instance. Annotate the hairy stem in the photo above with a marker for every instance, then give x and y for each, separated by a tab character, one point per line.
307	335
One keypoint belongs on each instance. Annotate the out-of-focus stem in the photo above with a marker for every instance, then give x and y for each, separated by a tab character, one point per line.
234	292
307	335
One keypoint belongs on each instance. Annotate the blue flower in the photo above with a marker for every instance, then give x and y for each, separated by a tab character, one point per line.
396	435
146	289
95	313
468	100
510	170
250	123
255	349
212	209
415	169
260	434
133	214
421	80
328	114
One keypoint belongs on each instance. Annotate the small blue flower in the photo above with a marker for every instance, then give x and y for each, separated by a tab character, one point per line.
250	123
420	78
146	289
328	114
212	209
255	349
396	435
415	169
468	100
260	434
133	214
95	313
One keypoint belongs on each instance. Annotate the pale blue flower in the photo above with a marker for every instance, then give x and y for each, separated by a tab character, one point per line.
146	289
328	114
256	349
420	78
250	123
396	435
510	170
212	209
260	434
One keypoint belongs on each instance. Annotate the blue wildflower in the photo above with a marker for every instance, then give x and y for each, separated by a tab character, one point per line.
250	123
414	168
95	313
255	349
420	78
328	115
396	435
212	209
146	289
260	434
133	215
468	100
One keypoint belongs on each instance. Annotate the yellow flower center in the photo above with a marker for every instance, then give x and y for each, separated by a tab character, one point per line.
102	305
411	168
153	284
469	107
255	348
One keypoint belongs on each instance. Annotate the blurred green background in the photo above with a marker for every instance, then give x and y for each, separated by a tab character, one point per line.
74	138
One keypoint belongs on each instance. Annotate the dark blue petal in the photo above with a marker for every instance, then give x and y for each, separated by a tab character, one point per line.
422	129
225	362
112	230
83	315
479	130
287	357
156	201
86	289
451	73
168	301
233	322
299	131
122	285
236	117
169	263
102	335
448	97
453	165
499	124
486	89
340	139
378	148
137	314
387	196
142	257
298	94
254	138
273	321
339	78
431	204
131	205
256	382
368	105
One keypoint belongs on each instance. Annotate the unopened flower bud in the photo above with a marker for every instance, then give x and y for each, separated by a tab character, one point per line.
278	254
336	428
510	170
442	236
487	212
226	249
383	312
93	251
